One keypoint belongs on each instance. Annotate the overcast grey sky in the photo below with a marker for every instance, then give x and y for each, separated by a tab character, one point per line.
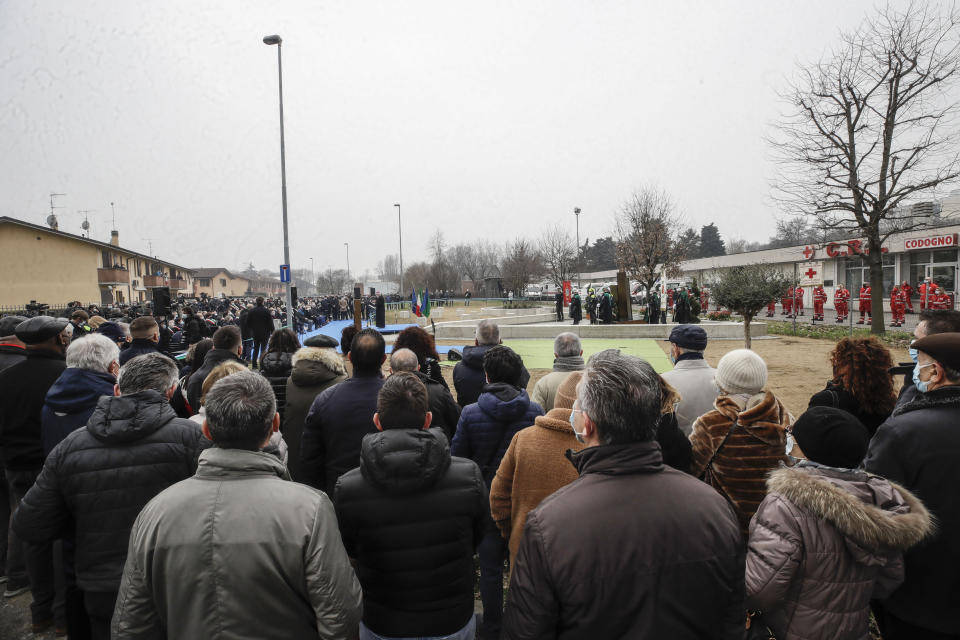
484	119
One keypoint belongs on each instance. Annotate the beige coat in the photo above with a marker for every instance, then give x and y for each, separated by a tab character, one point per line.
533	467
823	543
545	391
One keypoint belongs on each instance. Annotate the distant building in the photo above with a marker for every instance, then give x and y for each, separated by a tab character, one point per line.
54	267
267	287
218	282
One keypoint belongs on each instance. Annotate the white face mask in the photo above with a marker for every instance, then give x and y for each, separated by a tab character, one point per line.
576	434
790	443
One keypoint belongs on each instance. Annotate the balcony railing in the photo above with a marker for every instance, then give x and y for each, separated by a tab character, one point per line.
177	283
151	282
113	276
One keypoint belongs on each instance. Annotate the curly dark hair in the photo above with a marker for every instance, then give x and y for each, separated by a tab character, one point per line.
284	341
860	365
419	341
346	338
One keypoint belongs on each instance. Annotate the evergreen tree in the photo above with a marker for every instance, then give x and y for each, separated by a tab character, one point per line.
710	242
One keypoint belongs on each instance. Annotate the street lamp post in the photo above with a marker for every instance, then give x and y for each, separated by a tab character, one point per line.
576	212
313	280
277	40
347	245
400	229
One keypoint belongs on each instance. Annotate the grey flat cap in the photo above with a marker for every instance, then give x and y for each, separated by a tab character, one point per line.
8	325
321	342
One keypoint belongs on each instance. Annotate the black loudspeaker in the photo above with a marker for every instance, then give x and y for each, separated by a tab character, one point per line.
293	297
161	301
373	291
357	292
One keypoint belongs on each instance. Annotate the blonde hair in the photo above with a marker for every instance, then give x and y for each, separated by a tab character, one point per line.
95	321
219	372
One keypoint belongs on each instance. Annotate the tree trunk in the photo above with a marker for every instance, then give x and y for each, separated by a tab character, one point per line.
875	260
746	330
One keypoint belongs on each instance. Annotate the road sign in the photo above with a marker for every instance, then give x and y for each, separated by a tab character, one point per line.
810	273
284	273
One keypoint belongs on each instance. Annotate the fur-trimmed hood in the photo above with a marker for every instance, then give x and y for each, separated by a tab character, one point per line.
314	366
874	513
942	397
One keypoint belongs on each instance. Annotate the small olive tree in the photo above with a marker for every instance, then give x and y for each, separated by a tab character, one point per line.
748	289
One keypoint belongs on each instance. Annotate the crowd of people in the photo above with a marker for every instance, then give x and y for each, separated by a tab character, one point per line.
288	491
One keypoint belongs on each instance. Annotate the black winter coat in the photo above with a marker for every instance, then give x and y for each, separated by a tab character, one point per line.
446	411
275	367
631	549
468	376
919	447
194	329
576	309
837	397
138	347
213	358
100	478
412	516
24	389
260	323
338	420
11	354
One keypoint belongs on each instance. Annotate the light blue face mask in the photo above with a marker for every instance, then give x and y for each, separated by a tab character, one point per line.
921	384
914	354
576	434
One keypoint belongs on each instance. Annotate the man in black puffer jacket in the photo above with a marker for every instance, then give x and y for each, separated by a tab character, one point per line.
101	476
227	347
411	516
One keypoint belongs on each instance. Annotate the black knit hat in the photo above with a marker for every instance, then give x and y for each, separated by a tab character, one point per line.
832	437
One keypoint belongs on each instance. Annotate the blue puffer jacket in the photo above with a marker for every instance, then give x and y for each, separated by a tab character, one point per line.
486	428
69	403
468	376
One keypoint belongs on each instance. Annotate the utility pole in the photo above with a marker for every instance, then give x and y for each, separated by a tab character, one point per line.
400	229
576	212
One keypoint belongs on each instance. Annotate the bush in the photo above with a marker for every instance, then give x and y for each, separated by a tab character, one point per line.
901	339
722	315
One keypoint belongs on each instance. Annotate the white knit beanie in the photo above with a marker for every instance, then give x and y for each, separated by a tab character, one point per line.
741	371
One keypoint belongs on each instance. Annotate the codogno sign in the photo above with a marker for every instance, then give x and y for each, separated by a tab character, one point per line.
931	242
810	273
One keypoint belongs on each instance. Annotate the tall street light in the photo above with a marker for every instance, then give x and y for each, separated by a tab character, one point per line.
347	245
277	40
400	228
576	212
313	280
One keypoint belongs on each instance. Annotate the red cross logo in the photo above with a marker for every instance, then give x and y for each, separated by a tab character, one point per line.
810	273
808	252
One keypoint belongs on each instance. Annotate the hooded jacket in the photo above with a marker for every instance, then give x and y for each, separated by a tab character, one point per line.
468	376
918	447
823	543
236	552
100	477
70	401
631	549
138	347
486	427
275	367
313	371
412	516
755	447
446	411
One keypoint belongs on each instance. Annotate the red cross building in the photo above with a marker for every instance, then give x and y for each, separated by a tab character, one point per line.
808	252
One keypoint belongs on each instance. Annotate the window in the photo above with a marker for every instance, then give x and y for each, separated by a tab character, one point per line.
223	282
203	282
858	272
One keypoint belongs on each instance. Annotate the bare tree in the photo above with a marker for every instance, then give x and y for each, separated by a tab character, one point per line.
521	264
647	230
559	254
872	126
748	289
388	269
417	275
332	281
475	262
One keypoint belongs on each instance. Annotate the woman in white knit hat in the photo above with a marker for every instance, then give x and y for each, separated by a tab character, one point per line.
744	437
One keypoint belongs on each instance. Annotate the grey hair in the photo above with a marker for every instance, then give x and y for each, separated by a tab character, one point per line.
623	396
94	353
240	410
404	360
488	333
567	344
151	371
126	328
685	350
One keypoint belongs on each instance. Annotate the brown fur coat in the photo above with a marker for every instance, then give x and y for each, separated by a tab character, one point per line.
754	448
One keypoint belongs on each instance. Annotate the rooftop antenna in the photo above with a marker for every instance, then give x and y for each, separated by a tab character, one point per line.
113	213
85	225
52	218
150	245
